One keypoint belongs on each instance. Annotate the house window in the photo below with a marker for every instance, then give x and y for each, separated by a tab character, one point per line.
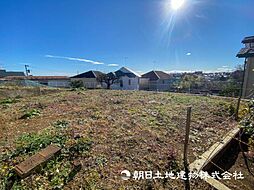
129	81
121	83
163	82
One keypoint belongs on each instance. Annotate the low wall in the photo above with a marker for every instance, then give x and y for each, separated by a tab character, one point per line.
12	92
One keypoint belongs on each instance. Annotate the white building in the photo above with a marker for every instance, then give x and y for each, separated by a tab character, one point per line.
127	80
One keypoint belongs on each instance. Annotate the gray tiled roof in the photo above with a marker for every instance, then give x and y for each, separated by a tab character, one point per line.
88	74
248	39
246	52
126	72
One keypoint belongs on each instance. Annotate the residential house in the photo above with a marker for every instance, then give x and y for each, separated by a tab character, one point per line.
156	81
51	81
89	79
4	73
248	53
127	80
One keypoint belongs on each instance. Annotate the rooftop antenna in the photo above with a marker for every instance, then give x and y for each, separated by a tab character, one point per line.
125	60
154	64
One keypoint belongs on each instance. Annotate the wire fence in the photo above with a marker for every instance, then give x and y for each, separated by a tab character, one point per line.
209	158
207	119
27	83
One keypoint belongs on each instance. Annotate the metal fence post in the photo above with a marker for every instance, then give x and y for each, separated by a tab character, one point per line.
185	156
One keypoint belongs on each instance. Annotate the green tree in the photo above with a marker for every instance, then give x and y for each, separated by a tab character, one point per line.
191	81
109	79
77	84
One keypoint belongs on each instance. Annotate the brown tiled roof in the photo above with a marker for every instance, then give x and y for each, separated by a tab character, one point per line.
155	75
36	78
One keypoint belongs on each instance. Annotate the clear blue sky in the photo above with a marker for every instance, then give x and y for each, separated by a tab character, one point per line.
63	37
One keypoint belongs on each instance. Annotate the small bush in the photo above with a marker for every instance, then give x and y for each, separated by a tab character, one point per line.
247	123
77	84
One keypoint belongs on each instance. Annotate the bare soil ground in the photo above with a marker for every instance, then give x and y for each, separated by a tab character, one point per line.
248	182
127	129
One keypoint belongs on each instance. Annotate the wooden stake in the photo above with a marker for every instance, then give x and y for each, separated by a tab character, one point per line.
185	156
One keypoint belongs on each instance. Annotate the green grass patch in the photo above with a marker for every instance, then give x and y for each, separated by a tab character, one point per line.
57	172
30	114
8	101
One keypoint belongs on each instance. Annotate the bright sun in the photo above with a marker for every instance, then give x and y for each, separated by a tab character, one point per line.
177	4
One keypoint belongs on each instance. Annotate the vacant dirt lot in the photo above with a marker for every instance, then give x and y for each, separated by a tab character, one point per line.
122	130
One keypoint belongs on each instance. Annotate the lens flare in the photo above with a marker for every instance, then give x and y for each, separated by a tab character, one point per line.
177	4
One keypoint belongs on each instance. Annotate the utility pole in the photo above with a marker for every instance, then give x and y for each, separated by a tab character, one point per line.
28	71
185	155
241	91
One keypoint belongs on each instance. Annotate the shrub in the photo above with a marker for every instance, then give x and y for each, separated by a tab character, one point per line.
247	123
77	84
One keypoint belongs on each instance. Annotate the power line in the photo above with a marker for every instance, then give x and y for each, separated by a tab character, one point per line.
218	143
240	145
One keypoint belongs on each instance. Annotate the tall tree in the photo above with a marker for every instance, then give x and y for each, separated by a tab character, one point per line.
109	79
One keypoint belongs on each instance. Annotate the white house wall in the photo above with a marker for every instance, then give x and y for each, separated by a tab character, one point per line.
59	83
163	84
127	84
143	83
90	83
